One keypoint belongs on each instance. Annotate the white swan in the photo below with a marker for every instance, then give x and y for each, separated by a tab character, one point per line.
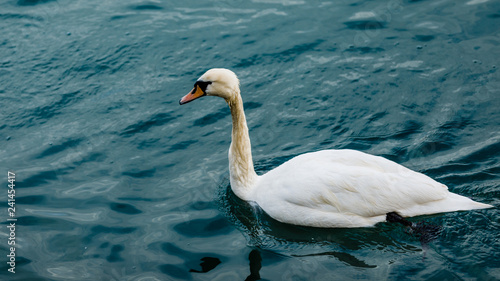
329	188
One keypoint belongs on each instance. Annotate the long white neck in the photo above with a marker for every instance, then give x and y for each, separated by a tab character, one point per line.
241	172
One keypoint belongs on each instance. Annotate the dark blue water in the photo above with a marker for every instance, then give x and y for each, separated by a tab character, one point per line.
116	181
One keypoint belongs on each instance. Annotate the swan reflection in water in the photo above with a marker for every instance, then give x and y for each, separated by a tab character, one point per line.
267	235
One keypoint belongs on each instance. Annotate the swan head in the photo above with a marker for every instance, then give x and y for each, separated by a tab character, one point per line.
218	82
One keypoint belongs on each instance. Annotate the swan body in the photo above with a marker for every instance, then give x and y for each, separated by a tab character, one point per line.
328	188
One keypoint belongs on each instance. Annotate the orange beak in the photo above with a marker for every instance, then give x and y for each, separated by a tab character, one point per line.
194	94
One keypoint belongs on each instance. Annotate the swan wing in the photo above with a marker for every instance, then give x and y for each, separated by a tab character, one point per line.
348	188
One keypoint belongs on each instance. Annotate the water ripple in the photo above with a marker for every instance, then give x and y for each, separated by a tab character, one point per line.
365	24
142	126
32	2
90	189
204	227
146	7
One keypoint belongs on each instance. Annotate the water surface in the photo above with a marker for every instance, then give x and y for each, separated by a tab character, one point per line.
116	181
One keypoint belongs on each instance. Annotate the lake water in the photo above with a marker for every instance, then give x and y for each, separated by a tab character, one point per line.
116	181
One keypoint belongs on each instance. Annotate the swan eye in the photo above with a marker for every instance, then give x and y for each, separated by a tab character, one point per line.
203	85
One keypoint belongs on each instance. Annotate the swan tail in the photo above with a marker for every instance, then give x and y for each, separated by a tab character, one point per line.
452	203
462	203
